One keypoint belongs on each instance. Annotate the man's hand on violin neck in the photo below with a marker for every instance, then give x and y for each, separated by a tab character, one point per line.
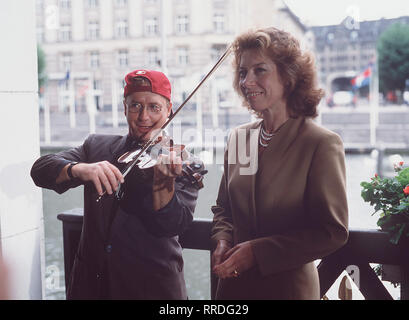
103	174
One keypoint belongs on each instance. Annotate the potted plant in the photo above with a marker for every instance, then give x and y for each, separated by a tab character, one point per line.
390	198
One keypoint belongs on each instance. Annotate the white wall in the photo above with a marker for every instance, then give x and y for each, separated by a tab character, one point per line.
21	218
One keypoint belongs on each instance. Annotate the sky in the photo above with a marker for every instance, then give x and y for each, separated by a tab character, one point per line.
327	12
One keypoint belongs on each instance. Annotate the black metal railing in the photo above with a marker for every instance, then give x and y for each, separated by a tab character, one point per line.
363	247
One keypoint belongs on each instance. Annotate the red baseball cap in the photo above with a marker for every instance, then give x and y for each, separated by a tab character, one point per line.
157	83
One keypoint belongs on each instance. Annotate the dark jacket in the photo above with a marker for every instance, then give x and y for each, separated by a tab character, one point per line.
125	251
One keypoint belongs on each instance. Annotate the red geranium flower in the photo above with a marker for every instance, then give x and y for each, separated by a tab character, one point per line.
406	190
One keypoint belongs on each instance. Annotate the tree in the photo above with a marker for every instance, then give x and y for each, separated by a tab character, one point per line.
42	76
393	57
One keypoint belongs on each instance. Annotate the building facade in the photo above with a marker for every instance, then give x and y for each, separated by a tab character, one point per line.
348	48
91	44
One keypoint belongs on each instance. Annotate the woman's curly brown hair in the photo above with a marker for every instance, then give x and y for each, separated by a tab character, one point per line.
296	68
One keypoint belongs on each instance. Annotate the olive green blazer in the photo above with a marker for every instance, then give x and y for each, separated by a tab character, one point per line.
290	203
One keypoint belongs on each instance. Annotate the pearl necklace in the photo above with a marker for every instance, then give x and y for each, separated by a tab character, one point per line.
264	135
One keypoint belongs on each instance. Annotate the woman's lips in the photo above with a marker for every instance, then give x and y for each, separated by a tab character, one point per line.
253	95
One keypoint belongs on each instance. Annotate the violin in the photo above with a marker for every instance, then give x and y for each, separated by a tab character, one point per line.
192	169
143	158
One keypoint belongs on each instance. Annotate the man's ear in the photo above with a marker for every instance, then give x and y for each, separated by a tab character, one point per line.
169	109
124	106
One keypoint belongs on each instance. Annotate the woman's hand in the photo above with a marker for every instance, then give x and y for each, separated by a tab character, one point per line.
236	260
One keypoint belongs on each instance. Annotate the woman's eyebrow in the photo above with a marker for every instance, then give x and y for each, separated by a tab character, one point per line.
254	65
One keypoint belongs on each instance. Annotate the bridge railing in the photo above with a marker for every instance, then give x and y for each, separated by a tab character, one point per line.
363	247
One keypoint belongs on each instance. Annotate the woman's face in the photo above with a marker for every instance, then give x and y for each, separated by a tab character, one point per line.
260	82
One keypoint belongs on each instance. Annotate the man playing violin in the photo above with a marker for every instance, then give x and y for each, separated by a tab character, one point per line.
129	248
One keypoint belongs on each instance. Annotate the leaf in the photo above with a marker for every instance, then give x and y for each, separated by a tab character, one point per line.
402	207
403	177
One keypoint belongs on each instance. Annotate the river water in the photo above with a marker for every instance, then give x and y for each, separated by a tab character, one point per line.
360	167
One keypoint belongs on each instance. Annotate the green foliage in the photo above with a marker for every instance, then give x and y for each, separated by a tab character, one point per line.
381	273
389	197
42	76
393	57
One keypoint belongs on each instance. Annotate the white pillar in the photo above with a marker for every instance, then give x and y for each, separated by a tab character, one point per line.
163	10
21	212
214	103
46	112
114	96
199	118
374	103
71	95
91	106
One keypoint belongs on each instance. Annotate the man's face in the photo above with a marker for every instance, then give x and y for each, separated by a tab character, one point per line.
145	112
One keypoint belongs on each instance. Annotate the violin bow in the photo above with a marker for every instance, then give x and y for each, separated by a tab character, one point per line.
145	147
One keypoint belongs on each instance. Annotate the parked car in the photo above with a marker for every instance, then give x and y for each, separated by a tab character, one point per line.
342	98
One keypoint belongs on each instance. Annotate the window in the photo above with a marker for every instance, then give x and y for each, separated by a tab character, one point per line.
65	61
218	22
64	32
153	57
123	58
330	37
121	3
93	30
92	3
39	6
183	57
217	51
121	29
151	26
353	35
40	35
65	4
94	59
97	85
182	24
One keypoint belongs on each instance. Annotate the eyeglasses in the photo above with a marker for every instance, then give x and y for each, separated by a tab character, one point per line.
138	107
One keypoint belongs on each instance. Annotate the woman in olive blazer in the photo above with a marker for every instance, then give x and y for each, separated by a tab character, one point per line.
282	199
